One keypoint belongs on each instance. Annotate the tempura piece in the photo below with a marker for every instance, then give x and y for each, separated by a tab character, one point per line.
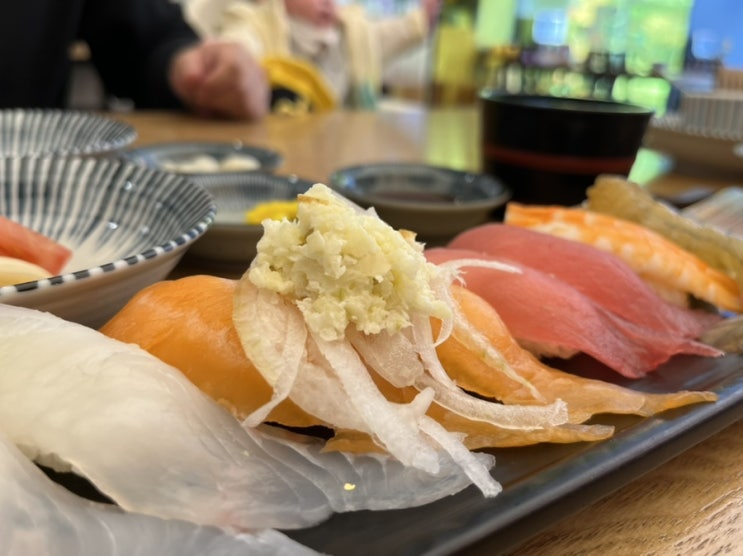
726	335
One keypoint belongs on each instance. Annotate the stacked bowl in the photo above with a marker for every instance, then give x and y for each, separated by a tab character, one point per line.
125	225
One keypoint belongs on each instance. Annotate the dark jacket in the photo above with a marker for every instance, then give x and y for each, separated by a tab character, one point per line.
131	43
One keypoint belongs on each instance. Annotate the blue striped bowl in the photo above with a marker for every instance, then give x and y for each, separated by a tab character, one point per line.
127	226
39	132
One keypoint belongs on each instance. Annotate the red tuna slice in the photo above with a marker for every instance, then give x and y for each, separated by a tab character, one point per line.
541	310
600	275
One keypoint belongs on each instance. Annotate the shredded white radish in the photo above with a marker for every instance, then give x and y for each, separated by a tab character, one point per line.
456	264
279	335
398	435
357	298
472	467
385	352
515	417
424	346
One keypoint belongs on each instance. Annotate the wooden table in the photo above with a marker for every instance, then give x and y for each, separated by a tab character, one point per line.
690	504
313	146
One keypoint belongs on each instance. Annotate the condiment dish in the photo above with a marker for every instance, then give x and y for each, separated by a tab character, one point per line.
434	202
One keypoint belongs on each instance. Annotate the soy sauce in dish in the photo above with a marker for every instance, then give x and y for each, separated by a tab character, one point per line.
417	196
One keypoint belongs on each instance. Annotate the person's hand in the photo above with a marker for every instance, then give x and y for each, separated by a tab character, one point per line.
220	79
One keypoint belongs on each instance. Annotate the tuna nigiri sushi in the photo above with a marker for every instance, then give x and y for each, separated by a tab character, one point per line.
601	276
550	317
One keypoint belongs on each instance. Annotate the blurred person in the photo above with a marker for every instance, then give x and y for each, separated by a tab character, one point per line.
143	50
316	51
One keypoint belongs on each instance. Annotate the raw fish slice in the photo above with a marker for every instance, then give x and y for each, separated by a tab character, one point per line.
203	345
147	320
584	397
602	276
38	516
476	434
361	482
484	435
660	261
146	437
542	311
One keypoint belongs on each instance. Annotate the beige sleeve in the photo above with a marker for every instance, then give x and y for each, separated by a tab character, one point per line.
204	15
238	23
395	35
261	27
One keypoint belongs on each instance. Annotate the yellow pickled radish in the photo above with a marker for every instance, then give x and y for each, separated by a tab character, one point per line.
273	210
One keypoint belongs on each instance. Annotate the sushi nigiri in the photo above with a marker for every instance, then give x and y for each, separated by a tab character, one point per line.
74	399
550	317
39	516
209	353
673	271
601	276
620	198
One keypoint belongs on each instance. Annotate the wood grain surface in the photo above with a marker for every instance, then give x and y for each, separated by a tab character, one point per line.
692	504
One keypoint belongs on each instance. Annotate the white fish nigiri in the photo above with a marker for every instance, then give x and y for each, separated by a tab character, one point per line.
146	437
38	516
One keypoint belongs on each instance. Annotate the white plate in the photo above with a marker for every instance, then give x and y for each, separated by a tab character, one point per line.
697	150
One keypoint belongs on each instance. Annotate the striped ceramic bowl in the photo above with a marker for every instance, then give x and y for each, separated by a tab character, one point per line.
126	225
32	132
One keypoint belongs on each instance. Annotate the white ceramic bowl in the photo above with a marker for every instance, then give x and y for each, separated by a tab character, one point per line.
127	226
436	203
230	243
32	132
